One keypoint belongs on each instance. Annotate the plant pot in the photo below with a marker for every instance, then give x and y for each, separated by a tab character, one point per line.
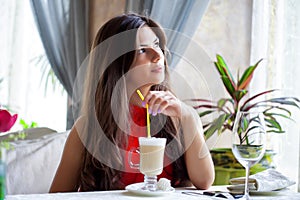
227	167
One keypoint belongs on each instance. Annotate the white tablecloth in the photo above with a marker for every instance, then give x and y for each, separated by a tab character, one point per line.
123	194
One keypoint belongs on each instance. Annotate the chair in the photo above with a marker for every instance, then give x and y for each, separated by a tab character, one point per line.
32	164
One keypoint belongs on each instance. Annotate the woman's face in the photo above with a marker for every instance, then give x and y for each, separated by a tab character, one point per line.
148	67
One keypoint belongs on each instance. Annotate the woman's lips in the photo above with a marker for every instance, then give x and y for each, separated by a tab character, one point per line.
157	69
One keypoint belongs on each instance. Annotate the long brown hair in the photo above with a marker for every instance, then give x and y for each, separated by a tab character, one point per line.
111	57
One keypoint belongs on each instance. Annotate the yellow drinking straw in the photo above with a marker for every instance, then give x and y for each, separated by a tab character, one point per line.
148	118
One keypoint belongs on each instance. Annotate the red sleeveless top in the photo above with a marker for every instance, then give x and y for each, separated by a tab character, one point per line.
139	129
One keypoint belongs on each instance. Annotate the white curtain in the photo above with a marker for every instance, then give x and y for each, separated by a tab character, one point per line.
276	38
23	88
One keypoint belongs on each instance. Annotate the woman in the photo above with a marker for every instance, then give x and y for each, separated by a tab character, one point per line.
129	53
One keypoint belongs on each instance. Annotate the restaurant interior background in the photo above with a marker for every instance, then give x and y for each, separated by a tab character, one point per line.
241	31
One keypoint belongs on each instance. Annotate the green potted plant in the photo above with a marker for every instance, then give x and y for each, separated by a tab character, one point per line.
224	111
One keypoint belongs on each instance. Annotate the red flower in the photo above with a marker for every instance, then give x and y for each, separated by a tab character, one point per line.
6	120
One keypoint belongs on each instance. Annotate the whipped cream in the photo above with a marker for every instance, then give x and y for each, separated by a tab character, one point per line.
164	184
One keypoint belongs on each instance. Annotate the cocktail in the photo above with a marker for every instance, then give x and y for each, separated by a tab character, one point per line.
151	152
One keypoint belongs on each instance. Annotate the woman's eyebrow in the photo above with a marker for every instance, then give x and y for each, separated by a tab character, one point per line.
147	45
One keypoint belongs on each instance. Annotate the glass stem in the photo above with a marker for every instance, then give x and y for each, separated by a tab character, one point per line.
246	193
150	182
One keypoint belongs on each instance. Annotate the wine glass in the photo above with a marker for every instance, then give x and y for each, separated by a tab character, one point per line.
248	141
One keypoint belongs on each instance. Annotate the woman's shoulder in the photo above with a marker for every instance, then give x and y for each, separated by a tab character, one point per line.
74	140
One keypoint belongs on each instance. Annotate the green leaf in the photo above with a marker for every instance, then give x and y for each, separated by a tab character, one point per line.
243	107
284	101
273	123
33	125
202	114
276	107
215	125
229	87
277	114
26	125
210	131
23	124
247	76
240	94
21	135
205	125
206	106
225	72
273	103
5	145
220	69
275	131
201	100
225	68
248	133
222	102
244	124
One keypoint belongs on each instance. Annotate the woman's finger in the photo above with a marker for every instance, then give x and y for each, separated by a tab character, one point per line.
160	105
162	102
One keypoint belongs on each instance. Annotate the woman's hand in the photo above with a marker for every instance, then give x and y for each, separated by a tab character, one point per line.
163	102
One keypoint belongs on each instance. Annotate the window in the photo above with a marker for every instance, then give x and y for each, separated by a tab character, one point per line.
276	37
24	69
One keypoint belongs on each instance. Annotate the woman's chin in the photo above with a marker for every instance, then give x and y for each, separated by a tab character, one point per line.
158	80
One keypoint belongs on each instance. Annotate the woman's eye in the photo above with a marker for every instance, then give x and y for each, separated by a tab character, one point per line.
140	51
156	44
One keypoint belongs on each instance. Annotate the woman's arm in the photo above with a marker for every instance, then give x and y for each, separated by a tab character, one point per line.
68	171
197	156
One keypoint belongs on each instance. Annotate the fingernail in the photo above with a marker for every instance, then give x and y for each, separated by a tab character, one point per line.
159	111
154	114
143	104
150	111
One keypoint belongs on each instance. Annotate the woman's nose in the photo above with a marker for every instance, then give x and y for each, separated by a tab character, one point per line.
156	56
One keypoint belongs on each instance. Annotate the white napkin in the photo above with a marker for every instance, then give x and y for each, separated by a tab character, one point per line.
265	181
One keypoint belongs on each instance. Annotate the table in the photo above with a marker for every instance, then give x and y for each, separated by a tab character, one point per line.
123	194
